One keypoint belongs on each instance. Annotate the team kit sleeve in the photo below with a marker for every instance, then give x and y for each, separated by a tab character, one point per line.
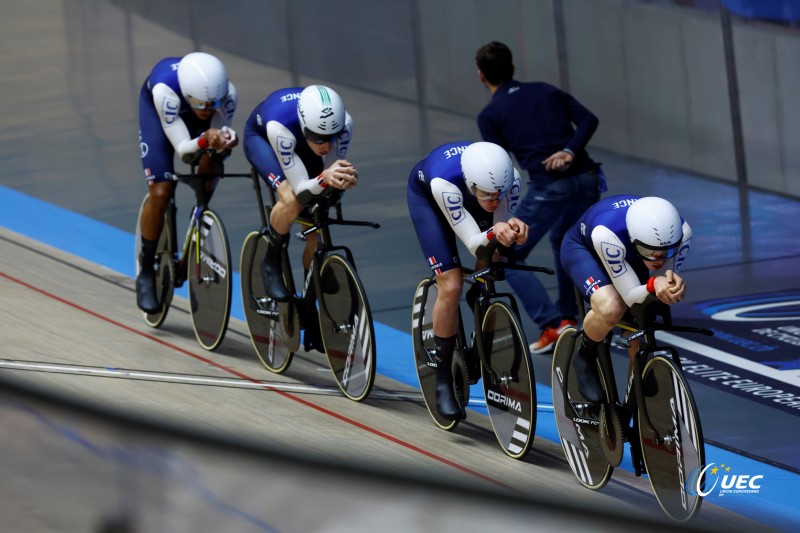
284	144
167	105
611	251
450	200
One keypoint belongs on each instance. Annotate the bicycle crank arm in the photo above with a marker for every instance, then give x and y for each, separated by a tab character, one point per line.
267	309
274	315
585	421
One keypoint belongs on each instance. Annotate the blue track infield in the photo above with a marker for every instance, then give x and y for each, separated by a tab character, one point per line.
770	499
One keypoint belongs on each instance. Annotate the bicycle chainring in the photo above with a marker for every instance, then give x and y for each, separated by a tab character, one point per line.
461	380
290	322
610	434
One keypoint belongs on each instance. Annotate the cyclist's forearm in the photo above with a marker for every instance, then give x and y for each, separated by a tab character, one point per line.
309	187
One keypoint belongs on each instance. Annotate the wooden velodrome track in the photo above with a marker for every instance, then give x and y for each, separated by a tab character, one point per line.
69	327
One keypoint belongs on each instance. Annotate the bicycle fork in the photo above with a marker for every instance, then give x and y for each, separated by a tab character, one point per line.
639	412
192	233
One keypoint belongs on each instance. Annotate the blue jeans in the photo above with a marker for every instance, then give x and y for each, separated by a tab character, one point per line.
552	208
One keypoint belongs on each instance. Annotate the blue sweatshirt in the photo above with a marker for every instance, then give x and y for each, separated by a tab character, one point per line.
535	120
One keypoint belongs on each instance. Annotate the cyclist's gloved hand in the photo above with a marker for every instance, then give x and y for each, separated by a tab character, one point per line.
340	175
231	138
512	232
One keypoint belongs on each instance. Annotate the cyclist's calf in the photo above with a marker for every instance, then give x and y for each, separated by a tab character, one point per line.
445	313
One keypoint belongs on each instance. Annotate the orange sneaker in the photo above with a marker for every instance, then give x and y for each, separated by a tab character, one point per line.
548	338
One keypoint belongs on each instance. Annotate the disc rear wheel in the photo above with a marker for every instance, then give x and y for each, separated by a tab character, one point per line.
425	355
579	435
274	327
610	434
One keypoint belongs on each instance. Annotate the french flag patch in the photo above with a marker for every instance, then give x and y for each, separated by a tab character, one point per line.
435	265
590	285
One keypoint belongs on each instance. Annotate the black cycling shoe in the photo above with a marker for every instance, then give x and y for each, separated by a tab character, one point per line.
588	378
446	403
146	291
273	279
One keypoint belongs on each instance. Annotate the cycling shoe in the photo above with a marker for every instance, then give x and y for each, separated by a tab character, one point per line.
446	403
146	292
273	280
589	387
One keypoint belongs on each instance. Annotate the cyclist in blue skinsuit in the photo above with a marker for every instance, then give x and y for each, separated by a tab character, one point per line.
297	140
468	190
185	105
622	249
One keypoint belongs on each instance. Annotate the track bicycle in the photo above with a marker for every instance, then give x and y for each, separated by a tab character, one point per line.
204	260
657	416
332	297
497	352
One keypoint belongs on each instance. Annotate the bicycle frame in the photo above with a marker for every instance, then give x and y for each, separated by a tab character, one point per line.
642	325
202	198
496	354
322	221
460	335
192	235
484	278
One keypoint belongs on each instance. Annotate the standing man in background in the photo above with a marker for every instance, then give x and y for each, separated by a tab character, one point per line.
547	130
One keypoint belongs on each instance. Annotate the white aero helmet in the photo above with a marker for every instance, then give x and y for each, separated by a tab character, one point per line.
203	80
487	167
655	228
321	113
